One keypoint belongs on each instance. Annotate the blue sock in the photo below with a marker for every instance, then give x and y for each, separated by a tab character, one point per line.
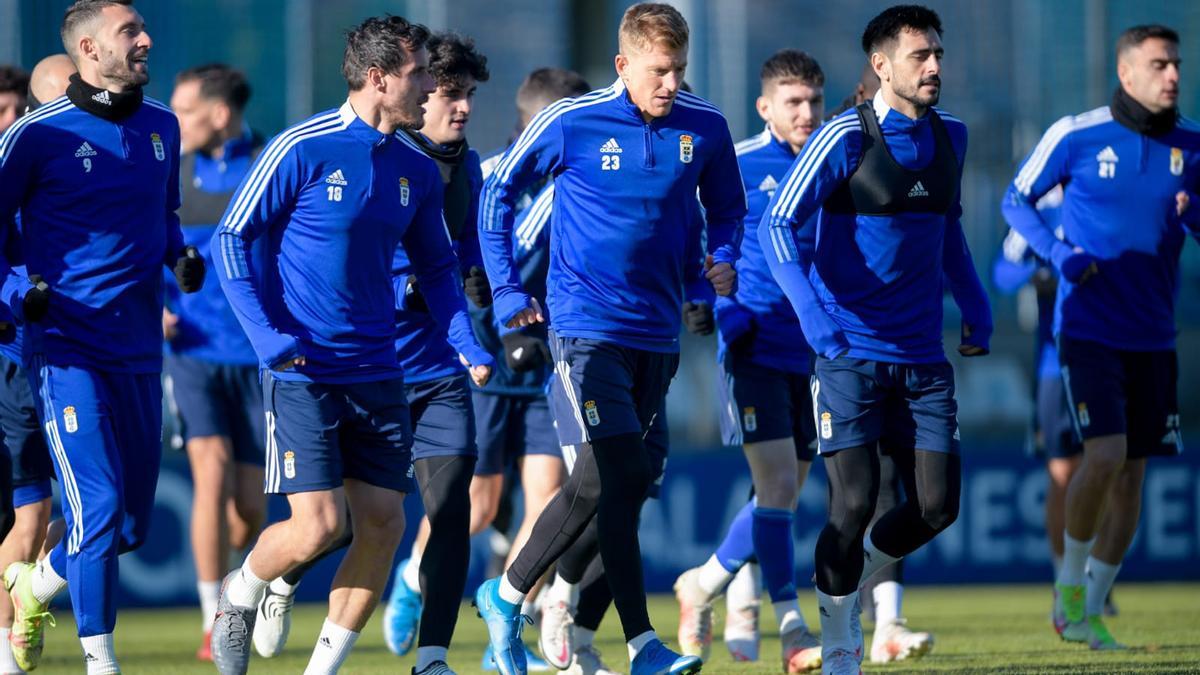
772	535
738	546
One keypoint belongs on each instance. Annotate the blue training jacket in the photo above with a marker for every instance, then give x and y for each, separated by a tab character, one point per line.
208	330
421	344
618	233
97	202
334	197
871	286
760	310
1118	205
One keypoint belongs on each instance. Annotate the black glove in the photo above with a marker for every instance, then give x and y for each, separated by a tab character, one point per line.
37	299
698	317
524	352
413	300
189	270
477	288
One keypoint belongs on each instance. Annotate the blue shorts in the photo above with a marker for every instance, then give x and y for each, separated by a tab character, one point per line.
443	419
218	399
511	427
859	401
22	427
603	389
320	433
1111	391
765	404
1054	430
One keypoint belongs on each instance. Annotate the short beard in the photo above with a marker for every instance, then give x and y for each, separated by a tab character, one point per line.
117	70
914	97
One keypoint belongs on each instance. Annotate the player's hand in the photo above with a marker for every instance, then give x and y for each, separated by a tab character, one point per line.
528	316
698	318
36	304
189	270
170	324
966	348
477	288
414	301
1079	267
479	374
524	353
722	276
1182	200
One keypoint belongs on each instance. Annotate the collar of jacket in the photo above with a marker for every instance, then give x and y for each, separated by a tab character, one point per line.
112	106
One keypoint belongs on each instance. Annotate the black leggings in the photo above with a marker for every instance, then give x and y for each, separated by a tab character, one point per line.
622	466
932	482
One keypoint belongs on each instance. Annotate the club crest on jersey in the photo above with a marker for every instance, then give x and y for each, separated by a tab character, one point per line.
1081	414
1176	162
289	464
159	152
685	149
404	192
749	419
592	413
70	420
826	426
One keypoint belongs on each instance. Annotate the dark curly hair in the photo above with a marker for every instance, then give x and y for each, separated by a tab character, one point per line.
453	58
383	42
886	26
13	80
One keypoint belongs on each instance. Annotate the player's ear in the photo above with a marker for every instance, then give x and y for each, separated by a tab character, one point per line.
763	106
221	115
621	62
882	66
86	48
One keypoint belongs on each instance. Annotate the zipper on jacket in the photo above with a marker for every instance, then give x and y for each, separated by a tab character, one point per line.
647	146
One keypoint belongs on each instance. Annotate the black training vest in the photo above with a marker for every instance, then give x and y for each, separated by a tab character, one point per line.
201	207
880	186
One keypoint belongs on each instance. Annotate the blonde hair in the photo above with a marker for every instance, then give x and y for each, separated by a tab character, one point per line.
648	24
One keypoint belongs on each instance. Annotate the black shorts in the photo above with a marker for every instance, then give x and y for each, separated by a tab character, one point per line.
1113	391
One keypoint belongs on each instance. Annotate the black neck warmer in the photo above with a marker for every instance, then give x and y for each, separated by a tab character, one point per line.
102	102
1134	116
450	160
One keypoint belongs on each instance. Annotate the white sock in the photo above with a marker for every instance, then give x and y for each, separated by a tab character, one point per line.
509	593
528	606
638	643
584	638
787	612
1056	562
426	656
1100	578
7	663
563	591
281	587
46	582
1075	554
245	588
713	578
209	592
835	619
333	646
412	574
99	656
873	559
887	595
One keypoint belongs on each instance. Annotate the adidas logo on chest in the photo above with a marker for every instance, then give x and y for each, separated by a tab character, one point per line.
337	178
611	147
85	150
918	190
768	185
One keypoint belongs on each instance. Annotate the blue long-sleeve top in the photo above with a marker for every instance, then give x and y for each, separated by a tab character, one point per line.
208	329
760	310
334	197
1118	205
871	286
421	344
97	202
618	237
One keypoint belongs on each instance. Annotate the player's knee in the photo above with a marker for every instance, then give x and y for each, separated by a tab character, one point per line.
777	491
939	511
382	525
315	533
852	509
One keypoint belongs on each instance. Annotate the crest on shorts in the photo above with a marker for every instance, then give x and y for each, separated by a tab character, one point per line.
289	464
70	420
1176	162
826	426
404	192
1081	414
685	149
159	152
592	413
749	419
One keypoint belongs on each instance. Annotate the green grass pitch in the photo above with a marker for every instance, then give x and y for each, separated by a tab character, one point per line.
979	629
